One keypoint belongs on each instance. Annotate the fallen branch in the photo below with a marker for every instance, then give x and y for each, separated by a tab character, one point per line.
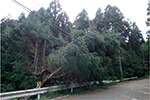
51	75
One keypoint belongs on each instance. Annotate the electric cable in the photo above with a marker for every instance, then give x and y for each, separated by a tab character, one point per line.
90	5
40	3
39	16
35	3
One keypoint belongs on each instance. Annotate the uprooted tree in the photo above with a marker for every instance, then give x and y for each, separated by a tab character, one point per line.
55	51
38	42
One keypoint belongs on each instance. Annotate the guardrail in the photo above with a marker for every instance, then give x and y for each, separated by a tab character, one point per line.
125	79
31	92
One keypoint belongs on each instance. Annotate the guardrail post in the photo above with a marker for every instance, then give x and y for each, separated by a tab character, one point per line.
38	91
38	97
71	88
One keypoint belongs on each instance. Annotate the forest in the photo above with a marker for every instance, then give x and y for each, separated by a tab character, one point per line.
45	46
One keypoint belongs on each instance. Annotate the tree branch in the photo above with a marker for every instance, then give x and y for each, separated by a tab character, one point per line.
29	67
51	75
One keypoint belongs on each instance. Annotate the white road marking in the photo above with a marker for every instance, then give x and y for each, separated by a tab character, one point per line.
139	90
129	97
134	99
133	87
143	87
143	92
126	96
147	87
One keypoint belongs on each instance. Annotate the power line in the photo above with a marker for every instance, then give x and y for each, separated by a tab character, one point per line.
40	6
40	3
35	3
90	5
39	16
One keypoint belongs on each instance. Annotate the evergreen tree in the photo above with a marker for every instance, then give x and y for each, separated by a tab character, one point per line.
148	14
21	17
65	24
62	52
148	34
13	63
98	21
113	18
135	38
82	21
53	11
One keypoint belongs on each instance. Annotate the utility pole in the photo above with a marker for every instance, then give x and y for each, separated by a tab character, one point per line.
120	66
143	55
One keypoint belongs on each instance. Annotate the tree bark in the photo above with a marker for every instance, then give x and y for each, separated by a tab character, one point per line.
35	65
43	54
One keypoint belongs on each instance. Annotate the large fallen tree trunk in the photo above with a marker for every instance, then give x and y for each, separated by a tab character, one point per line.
39	68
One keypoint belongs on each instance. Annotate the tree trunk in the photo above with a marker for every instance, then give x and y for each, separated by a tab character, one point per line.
35	65
43	54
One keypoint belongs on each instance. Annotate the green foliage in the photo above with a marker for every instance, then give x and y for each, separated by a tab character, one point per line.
77	60
133	65
82	21
148	13
87	49
14	72
135	38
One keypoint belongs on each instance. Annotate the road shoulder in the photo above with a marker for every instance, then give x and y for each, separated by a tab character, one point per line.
88	93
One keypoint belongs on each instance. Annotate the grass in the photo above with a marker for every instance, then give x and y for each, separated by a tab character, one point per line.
147	76
75	91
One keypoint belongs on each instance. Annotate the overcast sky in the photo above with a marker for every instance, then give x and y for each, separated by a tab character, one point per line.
132	9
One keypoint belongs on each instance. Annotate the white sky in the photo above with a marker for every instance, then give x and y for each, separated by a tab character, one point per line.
132	9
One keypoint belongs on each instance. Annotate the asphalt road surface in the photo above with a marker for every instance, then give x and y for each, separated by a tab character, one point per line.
134	90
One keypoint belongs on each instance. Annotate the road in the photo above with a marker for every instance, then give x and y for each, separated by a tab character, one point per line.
134	90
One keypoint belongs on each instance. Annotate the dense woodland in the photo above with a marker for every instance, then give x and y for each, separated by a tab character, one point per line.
45	46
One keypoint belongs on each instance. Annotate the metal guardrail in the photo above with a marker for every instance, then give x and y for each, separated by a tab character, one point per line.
31	92
23	93
129	78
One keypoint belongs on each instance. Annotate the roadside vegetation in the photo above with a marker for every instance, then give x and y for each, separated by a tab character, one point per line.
85	90
76	91
45	46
